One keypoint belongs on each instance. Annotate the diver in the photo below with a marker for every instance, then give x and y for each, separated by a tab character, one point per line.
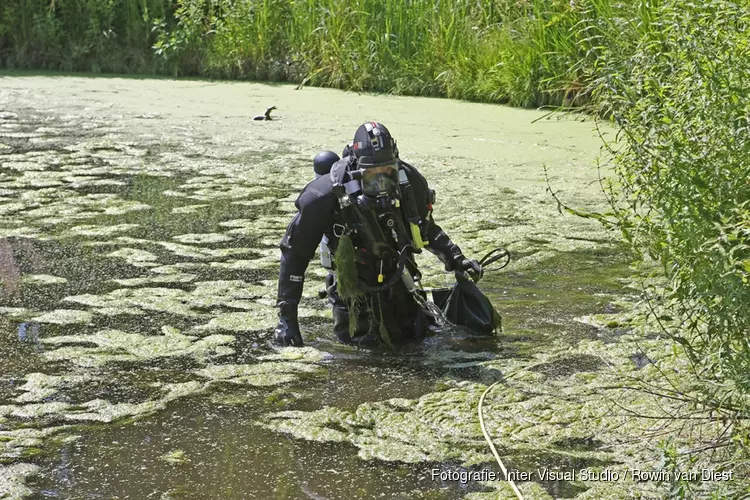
369	212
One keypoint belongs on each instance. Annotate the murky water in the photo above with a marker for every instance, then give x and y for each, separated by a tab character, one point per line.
140	220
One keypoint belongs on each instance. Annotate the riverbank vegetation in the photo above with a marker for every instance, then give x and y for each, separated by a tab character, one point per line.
526	53
682	191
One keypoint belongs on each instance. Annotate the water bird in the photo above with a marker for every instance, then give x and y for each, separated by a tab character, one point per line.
265	116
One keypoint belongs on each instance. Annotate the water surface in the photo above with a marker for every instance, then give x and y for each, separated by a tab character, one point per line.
140	223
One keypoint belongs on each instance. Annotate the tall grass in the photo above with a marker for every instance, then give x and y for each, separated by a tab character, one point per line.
78	35
524	52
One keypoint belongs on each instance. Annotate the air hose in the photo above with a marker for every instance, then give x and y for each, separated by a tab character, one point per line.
489	259
492	445
492	257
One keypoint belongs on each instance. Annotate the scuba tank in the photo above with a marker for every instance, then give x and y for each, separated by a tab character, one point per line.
322	164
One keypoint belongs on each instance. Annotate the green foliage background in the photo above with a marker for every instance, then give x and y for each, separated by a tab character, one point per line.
524	52
682	159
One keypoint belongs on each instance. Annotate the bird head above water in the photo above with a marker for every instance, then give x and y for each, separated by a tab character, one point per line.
265	116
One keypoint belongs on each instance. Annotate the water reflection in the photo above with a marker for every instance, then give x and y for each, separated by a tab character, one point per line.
15	255
28	332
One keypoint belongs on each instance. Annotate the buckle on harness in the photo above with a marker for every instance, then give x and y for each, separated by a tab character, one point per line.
338	233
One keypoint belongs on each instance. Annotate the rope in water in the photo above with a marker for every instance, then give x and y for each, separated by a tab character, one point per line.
492	446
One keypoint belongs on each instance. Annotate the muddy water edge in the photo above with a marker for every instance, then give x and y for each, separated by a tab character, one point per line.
138	254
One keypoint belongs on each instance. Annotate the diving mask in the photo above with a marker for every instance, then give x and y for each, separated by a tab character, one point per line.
380	181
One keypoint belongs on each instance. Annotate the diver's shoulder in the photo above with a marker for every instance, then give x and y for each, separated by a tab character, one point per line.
316	192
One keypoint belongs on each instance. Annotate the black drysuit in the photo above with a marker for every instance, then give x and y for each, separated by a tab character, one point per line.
318	213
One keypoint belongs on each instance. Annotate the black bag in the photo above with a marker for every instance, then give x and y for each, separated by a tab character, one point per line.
467	306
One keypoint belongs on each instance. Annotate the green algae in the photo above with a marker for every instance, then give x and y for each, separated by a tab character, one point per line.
33	410
201	253
285	366
64	317
39	386
236	294
190	209
74	207
301	354
178	268
135	257
237	223
203	238
100	410
12	480
14	312
18	232
439	427
261	374
256	202
93	231
117	346
15	442
43	279
175	457
156	280
257	319
245	265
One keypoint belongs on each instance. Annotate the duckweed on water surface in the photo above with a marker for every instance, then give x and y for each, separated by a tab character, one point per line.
12	479
114	345
176	457
535	418
64	317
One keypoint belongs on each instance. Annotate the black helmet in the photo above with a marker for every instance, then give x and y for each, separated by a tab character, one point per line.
323	162
373	145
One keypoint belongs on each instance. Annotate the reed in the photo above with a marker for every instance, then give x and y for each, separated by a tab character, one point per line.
524	52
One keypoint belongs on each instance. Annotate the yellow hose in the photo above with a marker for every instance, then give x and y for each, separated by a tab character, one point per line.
492	446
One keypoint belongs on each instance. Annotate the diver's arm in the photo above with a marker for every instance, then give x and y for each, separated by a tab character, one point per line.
438	242
441	245
316	205
448	252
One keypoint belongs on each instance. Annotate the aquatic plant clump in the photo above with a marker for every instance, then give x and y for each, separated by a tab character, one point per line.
12	479
113	345
40	386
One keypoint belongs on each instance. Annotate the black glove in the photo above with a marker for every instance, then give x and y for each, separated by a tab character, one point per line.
467	265
287	332
448	252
